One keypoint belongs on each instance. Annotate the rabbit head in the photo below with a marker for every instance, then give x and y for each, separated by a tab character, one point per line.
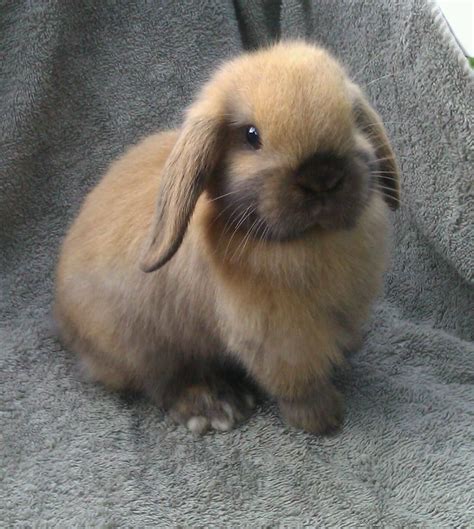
283	143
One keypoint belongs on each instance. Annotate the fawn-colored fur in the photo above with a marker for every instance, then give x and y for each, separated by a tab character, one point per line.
283	303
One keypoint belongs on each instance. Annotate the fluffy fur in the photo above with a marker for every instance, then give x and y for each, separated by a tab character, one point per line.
264	262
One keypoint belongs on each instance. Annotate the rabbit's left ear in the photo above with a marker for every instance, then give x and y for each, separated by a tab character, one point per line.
371	124
185	173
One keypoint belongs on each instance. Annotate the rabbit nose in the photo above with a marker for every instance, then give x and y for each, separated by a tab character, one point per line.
321	173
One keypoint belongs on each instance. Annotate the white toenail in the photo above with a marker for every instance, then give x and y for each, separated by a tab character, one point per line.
197	424
228	411
219	424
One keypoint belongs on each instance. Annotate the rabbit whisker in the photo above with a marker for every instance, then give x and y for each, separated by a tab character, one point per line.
380	78
370	126
250	209
234	216
388	195
385	177
224	195
221	213
241	248
389	158
265	231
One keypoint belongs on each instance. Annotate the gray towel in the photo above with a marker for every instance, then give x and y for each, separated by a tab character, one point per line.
81	81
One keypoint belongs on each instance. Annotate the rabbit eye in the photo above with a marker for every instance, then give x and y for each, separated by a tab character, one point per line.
253	137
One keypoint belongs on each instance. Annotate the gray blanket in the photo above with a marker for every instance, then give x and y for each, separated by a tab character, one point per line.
82	80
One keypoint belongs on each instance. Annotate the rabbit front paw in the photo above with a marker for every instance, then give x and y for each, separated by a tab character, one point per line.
219	401
321	413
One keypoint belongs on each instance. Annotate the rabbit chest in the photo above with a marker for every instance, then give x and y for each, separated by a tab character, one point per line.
305	309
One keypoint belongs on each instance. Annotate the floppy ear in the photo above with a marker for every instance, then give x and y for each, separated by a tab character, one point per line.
371	125
185	173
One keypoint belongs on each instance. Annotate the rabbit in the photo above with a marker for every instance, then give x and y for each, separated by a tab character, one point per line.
239	254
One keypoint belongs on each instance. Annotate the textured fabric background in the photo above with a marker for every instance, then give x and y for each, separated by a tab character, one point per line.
81	81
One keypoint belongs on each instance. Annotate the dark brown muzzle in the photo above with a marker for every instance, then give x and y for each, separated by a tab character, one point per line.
321	173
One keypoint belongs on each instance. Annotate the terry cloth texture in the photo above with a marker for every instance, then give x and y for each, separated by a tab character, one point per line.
80	81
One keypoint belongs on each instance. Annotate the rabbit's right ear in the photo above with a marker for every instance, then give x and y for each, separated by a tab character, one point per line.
185	173
371	123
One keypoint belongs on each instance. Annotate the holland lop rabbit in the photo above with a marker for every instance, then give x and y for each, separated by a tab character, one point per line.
244	248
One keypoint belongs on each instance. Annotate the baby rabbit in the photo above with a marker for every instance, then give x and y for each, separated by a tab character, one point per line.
244	248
